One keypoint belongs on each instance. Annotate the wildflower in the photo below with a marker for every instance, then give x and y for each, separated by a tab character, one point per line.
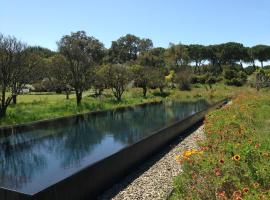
256	185
257	145
245	190
237	195
237	198
222	161
221	195
266	154
218	171
236	157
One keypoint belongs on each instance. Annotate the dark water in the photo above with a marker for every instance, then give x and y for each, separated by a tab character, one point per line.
33	160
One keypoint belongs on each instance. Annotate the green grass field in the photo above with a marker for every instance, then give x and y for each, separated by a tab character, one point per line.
38	106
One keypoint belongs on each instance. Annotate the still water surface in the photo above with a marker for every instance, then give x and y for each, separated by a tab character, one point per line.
33	160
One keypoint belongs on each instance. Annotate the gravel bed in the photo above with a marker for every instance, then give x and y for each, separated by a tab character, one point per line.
153	179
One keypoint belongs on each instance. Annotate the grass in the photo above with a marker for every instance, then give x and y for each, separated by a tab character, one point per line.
38	106
233	162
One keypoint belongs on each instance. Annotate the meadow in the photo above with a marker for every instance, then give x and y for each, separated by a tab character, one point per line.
39	106
233	162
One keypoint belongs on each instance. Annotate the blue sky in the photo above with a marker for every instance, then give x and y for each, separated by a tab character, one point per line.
43	22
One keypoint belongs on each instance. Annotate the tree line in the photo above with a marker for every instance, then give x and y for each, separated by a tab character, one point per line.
82	62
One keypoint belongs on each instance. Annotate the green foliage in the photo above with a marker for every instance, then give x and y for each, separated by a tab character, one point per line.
177	56
234	77
261	53
127	48
152	58
250	69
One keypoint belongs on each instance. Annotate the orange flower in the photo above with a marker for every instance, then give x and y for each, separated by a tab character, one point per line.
256	185
237	195
236	157
222	195
237	198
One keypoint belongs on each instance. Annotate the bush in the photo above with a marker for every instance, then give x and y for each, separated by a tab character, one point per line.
183	79
259	79
234	77
198	79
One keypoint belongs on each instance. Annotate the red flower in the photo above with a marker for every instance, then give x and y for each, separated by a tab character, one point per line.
245	190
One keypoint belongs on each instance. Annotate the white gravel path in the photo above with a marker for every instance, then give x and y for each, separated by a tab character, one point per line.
153	180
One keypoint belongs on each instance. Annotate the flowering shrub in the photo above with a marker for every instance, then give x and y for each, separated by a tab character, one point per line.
233	162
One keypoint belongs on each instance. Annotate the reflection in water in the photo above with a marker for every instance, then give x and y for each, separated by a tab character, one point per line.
33	160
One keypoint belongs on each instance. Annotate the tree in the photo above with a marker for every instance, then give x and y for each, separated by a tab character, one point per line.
142	77
127	49
21	71
152	58
145	45
261	53
117	77
259	79
38	61
12	70
197	54
177	56
248	56
82	53
232	52
214	56
61	72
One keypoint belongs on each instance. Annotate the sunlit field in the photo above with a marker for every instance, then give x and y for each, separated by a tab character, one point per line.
233	162
37	106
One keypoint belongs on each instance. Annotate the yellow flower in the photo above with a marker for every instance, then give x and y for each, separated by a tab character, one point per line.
236	157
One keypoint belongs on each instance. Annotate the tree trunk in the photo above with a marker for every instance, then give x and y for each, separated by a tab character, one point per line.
262	64
144	91
78	97
3	107
3	111
253	63
14	99
196	67
67	94
161	90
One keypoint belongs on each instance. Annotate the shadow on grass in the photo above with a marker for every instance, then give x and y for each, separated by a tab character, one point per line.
161	94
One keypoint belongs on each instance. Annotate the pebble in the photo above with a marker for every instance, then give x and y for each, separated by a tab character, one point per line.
153	180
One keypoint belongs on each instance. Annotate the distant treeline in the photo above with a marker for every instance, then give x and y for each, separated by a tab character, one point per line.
82	62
